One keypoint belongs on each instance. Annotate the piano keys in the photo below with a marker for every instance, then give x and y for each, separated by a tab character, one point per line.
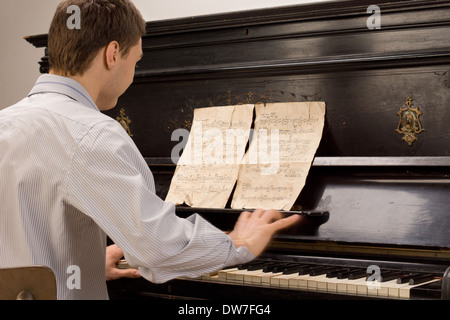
334	279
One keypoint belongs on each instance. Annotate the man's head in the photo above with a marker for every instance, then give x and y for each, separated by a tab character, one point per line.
106	47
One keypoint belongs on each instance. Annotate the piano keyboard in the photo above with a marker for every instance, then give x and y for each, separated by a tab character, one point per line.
324	278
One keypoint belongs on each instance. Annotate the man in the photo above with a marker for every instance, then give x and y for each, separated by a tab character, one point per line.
70	175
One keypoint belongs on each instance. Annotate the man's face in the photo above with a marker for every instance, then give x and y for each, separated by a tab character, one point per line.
121	78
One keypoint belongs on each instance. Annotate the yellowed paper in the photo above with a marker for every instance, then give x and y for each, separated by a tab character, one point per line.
285	139
208	168
202	186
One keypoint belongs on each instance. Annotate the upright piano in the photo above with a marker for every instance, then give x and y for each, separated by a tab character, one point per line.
376	203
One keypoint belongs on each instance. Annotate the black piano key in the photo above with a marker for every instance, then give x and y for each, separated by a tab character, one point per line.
357	274
272	267
421	279
345	274
295	268
390	275
325	270
280	267
310	269
268	269
338	270
260	265
244	266
406	277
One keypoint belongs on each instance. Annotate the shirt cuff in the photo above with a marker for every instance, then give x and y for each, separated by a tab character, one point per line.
238	255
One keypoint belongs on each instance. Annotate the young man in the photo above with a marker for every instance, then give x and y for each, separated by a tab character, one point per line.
70	175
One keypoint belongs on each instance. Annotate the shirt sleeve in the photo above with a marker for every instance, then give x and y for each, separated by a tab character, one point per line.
110	181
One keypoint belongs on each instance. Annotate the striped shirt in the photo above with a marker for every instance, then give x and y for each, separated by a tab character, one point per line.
69	176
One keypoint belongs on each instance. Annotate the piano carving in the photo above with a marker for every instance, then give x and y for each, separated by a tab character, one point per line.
373	203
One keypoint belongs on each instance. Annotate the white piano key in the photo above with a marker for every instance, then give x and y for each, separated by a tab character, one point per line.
383	289
233	275
394	289
207	276
236	276
281	280
322	284
302	282
357	286
331	285
248	276
372	288
264	278
284	282
257	277
223	273
299	282
214	278
341	285
313	282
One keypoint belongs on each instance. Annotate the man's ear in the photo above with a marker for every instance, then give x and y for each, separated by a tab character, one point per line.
112	53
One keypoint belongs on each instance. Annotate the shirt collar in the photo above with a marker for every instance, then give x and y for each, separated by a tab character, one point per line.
57	84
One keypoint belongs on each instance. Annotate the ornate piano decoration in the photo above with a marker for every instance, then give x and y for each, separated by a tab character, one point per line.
124	121
371	202
409	124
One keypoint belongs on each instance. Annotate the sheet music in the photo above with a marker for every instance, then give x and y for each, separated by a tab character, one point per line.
208	168
275	169
272	172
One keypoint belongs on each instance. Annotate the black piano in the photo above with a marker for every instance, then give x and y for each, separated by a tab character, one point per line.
376	204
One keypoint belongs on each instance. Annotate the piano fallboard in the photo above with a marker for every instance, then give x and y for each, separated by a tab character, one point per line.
370	202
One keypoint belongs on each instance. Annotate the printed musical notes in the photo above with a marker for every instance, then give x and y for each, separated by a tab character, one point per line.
270	174
209	166
276	185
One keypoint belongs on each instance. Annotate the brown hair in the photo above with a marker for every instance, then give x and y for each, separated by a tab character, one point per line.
71	50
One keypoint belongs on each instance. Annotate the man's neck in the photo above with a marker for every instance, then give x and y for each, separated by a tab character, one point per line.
89	83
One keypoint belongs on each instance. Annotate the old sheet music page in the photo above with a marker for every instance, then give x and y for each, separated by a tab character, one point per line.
282	148
208	168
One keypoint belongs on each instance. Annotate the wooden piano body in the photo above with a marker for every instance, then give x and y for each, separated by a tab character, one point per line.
386	190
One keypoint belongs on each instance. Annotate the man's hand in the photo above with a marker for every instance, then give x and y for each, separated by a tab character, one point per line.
255	230
113	256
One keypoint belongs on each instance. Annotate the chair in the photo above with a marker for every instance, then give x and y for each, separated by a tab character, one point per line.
27	283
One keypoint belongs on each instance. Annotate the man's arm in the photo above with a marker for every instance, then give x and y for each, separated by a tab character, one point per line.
110	182
252	230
